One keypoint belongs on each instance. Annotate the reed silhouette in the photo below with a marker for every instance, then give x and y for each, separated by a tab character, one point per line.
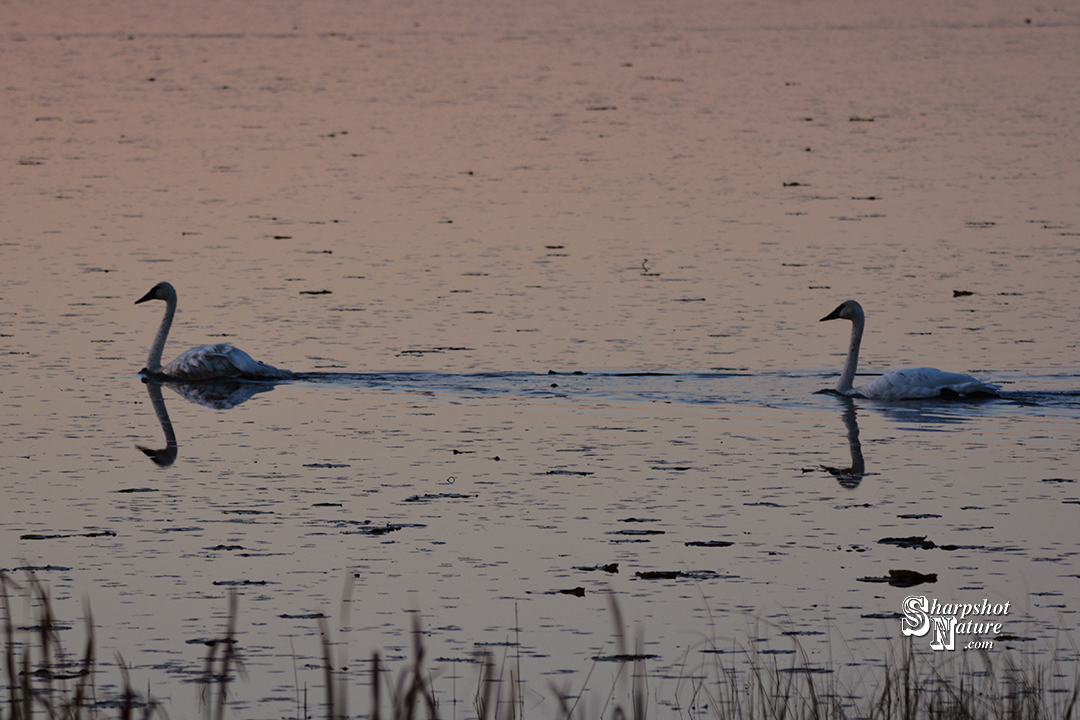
718	681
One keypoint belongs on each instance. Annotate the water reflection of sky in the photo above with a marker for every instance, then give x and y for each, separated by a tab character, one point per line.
577	266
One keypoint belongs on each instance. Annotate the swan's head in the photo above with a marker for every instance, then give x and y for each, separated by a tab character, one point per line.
848	310
161	291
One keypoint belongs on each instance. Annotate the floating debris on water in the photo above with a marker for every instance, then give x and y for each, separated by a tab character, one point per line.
303	616
609	568
368	529
624	657
659	574
676	574
576	592
902	578
915	541
428	497
35	536
36	569
240	583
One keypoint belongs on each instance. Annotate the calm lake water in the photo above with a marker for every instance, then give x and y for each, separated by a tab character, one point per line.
552	279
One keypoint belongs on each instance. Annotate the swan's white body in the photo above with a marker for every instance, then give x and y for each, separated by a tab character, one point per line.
202	363
922	382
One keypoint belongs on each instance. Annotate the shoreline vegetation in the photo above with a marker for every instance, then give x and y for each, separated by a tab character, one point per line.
43	679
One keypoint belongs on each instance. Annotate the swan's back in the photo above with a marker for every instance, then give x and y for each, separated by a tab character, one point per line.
924	382
220	361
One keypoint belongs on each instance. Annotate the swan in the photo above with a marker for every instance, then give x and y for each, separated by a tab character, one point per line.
920	382
202	363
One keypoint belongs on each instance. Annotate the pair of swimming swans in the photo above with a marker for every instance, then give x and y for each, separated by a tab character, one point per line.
211	362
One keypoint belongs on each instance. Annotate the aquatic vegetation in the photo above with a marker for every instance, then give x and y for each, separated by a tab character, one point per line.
40	674
721	681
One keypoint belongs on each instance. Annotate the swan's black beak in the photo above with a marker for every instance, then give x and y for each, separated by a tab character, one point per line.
147	296
834	315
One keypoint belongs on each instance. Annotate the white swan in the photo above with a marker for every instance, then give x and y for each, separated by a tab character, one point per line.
920	382
202	363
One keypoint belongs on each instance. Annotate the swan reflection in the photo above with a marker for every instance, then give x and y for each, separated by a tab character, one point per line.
223	394
166	455
850	477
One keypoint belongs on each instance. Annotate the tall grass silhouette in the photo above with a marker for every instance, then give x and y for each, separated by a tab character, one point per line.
732	682
42	676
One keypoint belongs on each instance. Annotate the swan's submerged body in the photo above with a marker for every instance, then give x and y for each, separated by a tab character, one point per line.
220	361
914	383
208	362
923	382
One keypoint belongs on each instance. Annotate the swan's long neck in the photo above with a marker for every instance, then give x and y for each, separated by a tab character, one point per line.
153	361
847	378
